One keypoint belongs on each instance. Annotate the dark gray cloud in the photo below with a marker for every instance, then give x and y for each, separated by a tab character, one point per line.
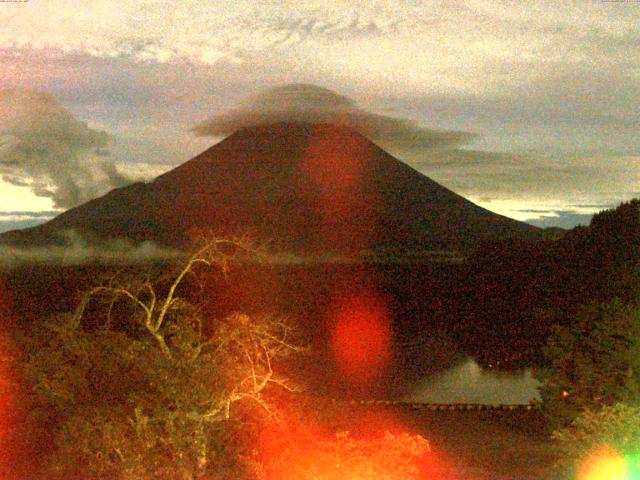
536	81
148	108
44	147
312	104
572	107
461	158
571	178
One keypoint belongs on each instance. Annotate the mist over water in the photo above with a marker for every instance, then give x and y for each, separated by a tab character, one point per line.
467	382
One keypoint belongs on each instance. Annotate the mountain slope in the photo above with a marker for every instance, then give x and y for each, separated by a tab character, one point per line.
304	188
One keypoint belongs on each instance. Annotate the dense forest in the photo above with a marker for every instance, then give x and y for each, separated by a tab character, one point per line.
513	292
497	306
190	355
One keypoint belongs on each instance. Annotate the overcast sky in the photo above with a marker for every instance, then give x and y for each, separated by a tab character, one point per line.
541	97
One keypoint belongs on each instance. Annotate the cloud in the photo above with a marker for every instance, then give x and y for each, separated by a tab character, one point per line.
193	28
26	215
14	220
44	147
304	103
567	178
421	46
522	75
549	212
76	250
566	219
461	158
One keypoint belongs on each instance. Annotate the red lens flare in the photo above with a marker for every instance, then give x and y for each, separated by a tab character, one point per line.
8	451
336	161
361	337
5	397
366	447
5	355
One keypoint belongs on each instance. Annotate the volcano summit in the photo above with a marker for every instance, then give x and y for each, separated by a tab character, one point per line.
304	188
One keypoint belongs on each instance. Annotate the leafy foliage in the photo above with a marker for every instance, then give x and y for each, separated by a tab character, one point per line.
389	457
613	430
153	398
591	363
514	291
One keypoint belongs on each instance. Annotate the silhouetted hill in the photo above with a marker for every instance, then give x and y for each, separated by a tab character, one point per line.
304	188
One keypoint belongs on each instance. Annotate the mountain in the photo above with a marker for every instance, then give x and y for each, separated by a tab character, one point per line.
304	188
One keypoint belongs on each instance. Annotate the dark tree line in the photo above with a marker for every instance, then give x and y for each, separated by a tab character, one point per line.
513	292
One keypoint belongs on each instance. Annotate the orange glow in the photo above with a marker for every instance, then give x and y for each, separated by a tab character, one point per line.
361	337
363	449
5	403
603	463
5	400
336	161
7	407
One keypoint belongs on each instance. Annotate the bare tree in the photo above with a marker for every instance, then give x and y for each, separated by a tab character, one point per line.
141	291
170	385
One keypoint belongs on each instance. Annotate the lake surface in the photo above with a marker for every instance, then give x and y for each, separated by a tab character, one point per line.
467	382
